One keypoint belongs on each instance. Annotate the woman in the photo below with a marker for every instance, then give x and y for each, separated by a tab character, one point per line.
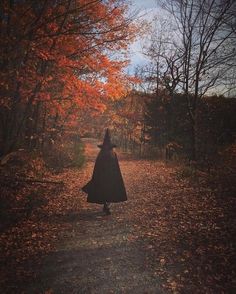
106	185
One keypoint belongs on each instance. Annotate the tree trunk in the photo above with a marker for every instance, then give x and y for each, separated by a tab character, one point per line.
192	155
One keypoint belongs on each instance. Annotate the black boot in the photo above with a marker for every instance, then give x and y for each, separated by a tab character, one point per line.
106	209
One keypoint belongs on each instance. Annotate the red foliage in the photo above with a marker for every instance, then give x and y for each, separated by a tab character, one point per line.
60	55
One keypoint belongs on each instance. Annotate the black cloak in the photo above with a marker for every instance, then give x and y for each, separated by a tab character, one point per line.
106	184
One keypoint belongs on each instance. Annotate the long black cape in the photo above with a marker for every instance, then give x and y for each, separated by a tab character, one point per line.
106	184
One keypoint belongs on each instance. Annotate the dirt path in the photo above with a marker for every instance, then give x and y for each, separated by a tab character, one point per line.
171	236
102	254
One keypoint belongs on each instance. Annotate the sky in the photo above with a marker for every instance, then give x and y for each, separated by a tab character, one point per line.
144	4
147	8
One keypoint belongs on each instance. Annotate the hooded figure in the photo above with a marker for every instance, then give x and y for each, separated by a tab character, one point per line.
106	184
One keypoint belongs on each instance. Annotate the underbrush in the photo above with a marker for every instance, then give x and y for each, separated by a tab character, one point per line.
23	163
24	180
186	171
218	174
65	155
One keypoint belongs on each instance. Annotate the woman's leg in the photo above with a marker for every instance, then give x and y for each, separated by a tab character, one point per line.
106	208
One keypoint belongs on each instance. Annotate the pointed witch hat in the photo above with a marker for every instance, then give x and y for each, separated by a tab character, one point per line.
107	141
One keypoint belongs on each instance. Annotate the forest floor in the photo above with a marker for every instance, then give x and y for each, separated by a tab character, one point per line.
171	236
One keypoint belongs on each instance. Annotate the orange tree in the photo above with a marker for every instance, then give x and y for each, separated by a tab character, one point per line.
58	57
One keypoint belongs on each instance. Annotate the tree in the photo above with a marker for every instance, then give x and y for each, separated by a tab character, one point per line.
204	51
58	57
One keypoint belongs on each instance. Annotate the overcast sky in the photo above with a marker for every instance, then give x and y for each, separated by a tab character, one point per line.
148	8
144	4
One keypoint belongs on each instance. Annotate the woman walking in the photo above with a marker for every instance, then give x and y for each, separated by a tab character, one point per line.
106	185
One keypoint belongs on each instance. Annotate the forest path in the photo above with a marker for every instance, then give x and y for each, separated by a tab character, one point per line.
171	236
102	254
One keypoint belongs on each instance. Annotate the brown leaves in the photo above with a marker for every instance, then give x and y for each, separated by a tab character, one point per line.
186	232
187	228
35	235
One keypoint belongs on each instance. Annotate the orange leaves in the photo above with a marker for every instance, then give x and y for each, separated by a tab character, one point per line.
64	59
44	55
44	97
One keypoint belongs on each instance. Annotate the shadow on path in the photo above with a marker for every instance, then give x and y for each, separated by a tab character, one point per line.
100	255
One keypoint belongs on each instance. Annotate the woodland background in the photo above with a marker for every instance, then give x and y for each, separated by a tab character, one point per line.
64	77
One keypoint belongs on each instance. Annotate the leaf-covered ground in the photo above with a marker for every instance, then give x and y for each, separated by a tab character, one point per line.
171	236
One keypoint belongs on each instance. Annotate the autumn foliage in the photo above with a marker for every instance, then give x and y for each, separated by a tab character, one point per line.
58	57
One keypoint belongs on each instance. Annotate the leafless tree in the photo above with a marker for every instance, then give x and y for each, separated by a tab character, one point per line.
202	57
